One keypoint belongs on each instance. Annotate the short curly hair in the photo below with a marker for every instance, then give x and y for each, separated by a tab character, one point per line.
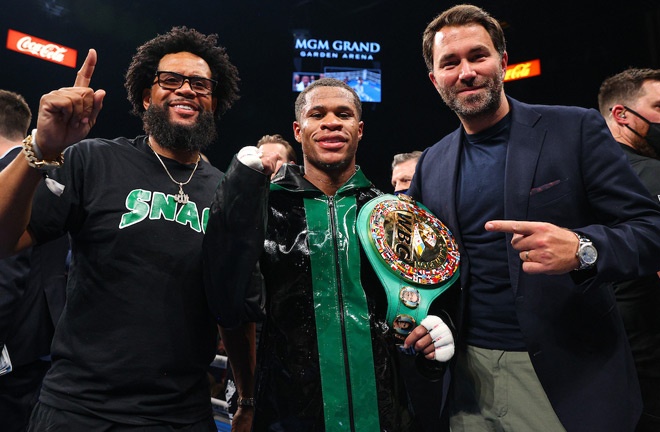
141	71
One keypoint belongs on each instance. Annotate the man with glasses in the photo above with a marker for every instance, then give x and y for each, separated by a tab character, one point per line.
135	340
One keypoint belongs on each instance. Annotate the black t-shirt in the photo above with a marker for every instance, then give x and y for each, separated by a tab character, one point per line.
491	313
136	336
639	299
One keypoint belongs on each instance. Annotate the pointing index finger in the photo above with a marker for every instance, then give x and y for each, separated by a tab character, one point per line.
84	75
510	226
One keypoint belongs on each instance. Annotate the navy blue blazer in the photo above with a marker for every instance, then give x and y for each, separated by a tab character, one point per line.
32	295
564	167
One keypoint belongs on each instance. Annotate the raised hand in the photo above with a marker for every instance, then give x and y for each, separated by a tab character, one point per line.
67	115
267	163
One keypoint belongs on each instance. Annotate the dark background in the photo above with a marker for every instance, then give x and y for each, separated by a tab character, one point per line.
580	43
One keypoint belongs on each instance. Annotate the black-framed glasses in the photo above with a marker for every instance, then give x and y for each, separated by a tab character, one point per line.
174	81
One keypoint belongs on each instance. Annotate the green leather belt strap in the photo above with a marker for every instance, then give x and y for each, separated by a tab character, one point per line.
342	317
412	252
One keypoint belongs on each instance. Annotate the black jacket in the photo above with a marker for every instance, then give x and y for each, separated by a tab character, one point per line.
326	354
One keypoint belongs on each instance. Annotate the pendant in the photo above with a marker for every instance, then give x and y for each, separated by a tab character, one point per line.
181	197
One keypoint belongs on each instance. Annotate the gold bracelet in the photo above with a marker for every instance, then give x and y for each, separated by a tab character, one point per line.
33	161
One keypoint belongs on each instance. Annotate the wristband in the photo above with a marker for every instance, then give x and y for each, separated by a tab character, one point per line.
251	156
443	340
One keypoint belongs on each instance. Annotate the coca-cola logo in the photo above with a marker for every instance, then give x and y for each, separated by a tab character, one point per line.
523	70
40	48
47	51
519	71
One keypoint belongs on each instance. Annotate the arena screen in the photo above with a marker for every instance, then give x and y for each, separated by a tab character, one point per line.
354	62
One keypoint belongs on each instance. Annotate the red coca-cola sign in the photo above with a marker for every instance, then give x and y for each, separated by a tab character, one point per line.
40	48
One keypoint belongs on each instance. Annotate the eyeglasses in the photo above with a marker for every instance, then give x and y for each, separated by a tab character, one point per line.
174	81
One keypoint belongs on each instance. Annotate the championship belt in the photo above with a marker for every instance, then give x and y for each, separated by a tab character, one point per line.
413	253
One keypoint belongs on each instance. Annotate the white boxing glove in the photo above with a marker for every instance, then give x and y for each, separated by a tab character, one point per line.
443	340
251	156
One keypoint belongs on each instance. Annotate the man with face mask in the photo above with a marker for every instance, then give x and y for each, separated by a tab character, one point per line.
136	336
630	103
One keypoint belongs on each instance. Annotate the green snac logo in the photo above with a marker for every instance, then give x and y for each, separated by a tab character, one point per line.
145	204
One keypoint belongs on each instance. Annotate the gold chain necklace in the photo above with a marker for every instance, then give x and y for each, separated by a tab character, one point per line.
181	197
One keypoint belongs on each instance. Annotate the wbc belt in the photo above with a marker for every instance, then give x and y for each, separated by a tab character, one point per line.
413	253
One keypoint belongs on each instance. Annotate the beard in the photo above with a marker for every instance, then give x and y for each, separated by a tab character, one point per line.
644	148
477	104
172	136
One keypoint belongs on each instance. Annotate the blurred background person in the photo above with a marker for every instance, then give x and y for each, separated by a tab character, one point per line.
277	144
32	293
403	169
630	103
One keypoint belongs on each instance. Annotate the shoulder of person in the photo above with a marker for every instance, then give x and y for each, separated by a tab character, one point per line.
213	170
551	109
102	144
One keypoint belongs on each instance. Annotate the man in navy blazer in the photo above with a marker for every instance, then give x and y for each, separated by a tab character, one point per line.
32	293
545	209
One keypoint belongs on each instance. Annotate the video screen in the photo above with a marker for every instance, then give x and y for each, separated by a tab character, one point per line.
365	82
354	62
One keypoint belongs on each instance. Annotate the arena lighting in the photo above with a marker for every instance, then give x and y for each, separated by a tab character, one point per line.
41	49
523	70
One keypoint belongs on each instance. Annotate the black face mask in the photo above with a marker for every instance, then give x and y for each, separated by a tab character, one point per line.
652	135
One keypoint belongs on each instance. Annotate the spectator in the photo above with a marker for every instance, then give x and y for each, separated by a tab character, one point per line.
630	103
277	144
403	170
32	293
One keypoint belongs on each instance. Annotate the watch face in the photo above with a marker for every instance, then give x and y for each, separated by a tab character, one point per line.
588	254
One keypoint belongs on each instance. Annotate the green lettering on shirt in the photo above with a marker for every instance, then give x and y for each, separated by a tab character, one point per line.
189	215
163	206
136	202
141	205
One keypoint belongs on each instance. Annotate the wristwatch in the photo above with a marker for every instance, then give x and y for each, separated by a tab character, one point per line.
246	402
586	253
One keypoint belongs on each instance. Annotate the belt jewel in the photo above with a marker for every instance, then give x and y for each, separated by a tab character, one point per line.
413	253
